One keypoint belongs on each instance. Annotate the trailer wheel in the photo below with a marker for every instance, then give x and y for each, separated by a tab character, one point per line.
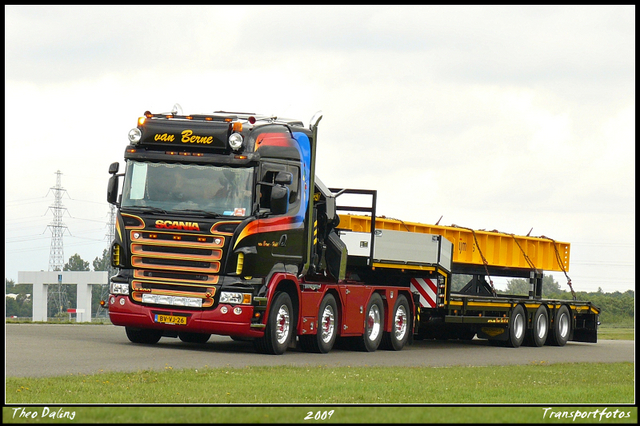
143	335
537	335
324	339
561	327
517	327
279	330
194	337
373	324
399	335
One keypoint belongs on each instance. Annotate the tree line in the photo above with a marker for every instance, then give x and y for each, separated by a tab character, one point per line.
617	307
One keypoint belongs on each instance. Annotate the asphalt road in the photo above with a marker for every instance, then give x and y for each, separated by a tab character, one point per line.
39	350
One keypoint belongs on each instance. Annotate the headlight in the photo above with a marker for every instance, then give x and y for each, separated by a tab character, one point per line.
235	298
235	141
135	135
119	288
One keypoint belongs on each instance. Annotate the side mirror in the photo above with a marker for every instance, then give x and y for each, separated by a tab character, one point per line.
279	199
113	168
112	188
284	178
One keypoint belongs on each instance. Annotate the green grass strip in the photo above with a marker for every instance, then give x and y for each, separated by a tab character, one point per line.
579	383
323	414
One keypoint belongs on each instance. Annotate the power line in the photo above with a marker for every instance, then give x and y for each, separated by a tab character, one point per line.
56	252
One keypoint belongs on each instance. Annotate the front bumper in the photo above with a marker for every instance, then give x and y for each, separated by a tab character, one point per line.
224	319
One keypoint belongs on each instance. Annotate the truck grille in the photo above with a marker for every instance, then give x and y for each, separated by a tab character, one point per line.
175	264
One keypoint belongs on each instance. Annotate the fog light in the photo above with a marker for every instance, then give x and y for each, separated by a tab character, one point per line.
237	310
235	141
135	135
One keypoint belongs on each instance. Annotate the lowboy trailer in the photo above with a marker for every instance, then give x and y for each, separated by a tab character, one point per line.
223	228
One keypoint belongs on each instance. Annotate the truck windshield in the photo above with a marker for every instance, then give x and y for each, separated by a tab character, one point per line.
216	190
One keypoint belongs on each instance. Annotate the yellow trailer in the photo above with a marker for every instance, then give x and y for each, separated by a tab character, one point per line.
473	247
424	258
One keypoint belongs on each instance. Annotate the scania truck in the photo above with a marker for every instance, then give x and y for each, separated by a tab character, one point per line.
223	228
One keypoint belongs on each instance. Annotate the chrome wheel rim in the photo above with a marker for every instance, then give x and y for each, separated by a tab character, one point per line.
374	322
400	323
327	324
518	326
282	324
563	325
541	326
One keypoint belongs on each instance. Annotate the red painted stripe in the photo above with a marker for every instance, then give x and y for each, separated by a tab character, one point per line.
268	225
418	286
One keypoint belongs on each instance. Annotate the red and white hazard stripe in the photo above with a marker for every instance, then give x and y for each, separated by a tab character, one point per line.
428	290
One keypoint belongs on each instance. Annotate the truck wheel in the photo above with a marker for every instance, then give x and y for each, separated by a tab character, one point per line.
561	327
324	339
537	336
143	335
399	335
194	337
517	327
279	330
373	321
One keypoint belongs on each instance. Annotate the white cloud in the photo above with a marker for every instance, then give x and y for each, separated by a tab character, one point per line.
506	117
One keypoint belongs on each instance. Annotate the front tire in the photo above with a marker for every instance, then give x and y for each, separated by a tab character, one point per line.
373	324
279	330
400	328
145	336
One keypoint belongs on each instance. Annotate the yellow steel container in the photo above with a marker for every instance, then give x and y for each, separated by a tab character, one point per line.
498	248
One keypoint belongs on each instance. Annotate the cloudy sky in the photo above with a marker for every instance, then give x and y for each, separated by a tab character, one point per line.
491	117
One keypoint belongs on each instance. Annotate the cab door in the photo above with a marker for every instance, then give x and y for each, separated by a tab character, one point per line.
282	234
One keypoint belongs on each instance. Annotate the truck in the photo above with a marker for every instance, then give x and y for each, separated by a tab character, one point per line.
223	228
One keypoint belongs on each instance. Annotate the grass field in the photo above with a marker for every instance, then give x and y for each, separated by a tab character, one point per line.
535	393
328	414
616	333
322	389
585	383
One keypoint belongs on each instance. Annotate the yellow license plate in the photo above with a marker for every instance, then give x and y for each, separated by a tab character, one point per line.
171	319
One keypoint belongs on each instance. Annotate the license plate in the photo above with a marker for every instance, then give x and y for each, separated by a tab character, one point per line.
171	319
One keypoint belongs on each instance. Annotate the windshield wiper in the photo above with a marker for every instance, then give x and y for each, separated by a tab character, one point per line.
146	209
198	211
